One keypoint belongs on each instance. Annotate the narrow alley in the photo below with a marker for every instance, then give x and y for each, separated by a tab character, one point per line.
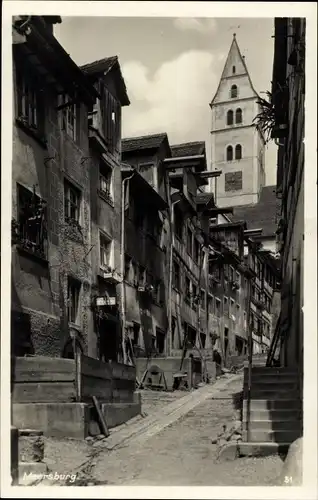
181	453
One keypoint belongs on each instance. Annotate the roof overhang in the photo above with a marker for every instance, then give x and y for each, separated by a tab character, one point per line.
196	161
52	61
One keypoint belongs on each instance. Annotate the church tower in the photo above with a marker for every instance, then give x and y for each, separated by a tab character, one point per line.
237	148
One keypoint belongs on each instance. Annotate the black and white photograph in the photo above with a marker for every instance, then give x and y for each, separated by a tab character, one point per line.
159	248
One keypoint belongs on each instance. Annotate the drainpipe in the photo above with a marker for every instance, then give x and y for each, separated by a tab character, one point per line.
171	205
122	263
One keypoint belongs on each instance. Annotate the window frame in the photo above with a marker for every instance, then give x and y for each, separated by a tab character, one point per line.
230	118
229	153
77	286
239	116
69	205
238	148
109	262
106	175
234	91
69	116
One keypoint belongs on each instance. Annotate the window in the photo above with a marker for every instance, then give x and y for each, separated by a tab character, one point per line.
203	339
71	202
238	152
192	335
234	92
238	278
105	182
189	241
187	290
178	223
176	275
105	246
232	306
233	70
226	306
232	273
73	295
218	307
141	276
202	299
29	105
210	304
127	272
196	251
233	181
229	117
159	291
111	119
229	153
30	231
238	116
194	297
69	117
136	333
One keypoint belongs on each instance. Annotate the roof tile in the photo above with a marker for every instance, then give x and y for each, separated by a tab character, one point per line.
142	142
188	149
262	214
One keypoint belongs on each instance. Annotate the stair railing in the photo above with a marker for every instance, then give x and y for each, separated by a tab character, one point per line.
274	343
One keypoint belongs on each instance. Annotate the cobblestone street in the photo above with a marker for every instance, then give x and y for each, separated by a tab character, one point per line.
183	454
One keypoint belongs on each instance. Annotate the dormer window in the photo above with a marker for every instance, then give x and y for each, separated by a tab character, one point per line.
234	92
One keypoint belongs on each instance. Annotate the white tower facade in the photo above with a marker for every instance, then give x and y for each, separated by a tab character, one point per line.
237	148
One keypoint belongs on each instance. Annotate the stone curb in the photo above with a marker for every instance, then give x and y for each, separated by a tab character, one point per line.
167	416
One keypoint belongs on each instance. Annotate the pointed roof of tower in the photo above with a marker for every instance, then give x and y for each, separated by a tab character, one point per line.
234	54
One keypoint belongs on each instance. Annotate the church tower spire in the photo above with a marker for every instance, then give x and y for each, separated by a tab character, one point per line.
237	148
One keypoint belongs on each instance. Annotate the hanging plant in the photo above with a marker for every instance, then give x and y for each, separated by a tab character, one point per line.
266	119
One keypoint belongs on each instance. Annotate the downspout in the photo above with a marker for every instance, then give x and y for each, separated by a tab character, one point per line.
171	205
250	358
122	264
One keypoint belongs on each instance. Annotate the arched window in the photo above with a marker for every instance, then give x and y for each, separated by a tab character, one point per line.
238	152
233	91
229	153
233	70
229	117
238	116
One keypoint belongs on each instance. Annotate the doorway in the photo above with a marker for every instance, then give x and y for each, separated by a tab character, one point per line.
226	341
108	340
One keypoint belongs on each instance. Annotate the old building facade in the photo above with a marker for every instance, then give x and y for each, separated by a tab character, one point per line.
66	199
288	96
51	225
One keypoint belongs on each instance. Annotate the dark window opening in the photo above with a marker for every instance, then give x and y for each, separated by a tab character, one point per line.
69	116
30	105
136	333
160	341
176	275
30	230
229	117
234	92
233	70
196	251
192	335
187	290
195	297
128	263
238	116
105	251
229	153
105	182
203	339
73	295
202	299
238	152
189	241
72	199
239	346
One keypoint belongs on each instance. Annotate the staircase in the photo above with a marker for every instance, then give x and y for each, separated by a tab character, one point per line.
272	417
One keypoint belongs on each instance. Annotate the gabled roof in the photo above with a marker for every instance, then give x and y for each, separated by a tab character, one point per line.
143	142
261	214
234	45
188	149
103	67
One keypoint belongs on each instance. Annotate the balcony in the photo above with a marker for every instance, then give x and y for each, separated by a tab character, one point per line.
110	275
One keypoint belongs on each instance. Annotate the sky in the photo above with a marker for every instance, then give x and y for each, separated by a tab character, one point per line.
172	67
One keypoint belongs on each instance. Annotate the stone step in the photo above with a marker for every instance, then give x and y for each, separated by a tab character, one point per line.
248	449
274	415
274	371
273	404
272	386
274	394
261	436
276	425
274	379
